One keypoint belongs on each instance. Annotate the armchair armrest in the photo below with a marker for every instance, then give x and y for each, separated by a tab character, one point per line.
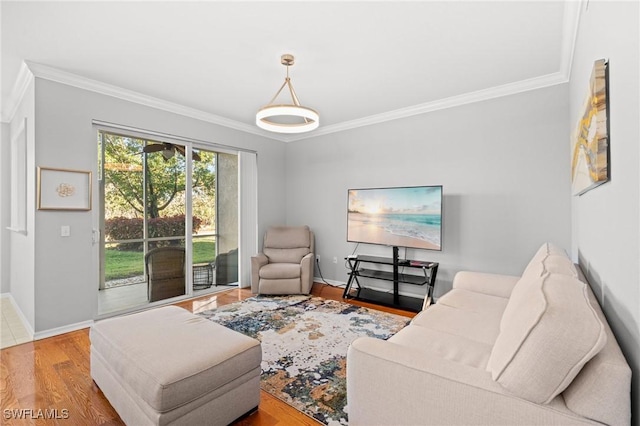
257	262
306	273
481	282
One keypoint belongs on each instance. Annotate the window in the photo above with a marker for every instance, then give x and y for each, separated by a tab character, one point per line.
153	196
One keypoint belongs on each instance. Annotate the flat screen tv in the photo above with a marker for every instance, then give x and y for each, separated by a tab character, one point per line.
401	216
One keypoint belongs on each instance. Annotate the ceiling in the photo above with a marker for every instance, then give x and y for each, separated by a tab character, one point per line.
356	62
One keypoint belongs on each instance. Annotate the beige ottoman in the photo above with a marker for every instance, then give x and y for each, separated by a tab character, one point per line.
168	366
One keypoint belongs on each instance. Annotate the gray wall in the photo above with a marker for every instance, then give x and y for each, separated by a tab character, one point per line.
503	164
66	281
606	234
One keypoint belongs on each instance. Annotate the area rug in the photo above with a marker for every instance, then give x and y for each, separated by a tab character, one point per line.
304	346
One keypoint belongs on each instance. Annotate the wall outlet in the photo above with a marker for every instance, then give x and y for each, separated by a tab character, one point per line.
65	231
335	259
317	258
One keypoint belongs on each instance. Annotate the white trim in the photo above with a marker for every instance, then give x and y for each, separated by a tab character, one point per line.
165	137
571	22
19	90
25	323
62	330
53	74
49	73
188	219
19	177
453	101
16	230
572	13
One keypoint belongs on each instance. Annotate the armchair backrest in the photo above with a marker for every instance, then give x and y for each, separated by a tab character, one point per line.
165	263
288	244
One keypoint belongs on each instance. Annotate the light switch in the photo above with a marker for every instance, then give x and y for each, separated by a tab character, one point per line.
65	231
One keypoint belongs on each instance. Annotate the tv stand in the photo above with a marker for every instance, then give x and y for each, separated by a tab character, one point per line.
357	266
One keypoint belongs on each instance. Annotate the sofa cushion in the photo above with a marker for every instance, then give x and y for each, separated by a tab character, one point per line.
485	283
446	345
552	264
473	301
552	259
476	326
549	331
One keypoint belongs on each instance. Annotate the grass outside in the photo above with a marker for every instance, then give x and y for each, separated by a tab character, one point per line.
125	264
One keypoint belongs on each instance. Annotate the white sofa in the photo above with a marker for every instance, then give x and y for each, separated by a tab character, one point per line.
497	349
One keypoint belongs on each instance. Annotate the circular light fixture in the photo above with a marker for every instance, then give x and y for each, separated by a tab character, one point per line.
308	118
287	118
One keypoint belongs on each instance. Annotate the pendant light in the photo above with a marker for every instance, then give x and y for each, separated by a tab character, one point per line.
287	118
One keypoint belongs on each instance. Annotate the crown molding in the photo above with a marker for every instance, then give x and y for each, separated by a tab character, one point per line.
571	21
25	77
451	102
53	74
570	25
29	70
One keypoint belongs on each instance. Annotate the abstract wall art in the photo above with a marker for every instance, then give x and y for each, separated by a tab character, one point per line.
590	142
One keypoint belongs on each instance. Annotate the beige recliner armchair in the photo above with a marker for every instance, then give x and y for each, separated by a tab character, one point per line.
285	265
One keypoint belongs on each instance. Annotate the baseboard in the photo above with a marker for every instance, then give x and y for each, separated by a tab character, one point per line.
61	330
25	323
46	333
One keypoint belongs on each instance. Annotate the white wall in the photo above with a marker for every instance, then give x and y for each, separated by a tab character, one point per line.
65	281
21	255
5	210
606	233
503	164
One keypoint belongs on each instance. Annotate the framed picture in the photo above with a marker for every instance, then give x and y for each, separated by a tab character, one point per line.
590	154
63	189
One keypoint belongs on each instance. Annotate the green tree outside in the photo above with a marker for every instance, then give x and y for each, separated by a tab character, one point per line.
129	172
124	166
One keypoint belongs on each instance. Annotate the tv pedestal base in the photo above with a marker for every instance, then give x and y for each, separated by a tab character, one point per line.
354	289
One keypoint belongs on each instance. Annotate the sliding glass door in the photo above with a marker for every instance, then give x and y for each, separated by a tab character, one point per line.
159	221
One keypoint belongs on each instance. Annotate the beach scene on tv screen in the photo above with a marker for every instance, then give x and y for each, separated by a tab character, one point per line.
404	217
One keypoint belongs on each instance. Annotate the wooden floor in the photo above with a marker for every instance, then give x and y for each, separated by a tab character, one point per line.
51	376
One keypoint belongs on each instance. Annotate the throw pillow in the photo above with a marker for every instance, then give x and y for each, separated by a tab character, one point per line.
549	332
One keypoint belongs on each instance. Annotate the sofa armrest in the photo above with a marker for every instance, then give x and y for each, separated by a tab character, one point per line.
306	273
257	262
390	384
481	282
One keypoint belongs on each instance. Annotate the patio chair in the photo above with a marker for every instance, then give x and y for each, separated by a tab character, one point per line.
165	272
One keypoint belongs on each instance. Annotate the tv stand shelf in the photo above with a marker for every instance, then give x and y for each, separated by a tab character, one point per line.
388	276
392	298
